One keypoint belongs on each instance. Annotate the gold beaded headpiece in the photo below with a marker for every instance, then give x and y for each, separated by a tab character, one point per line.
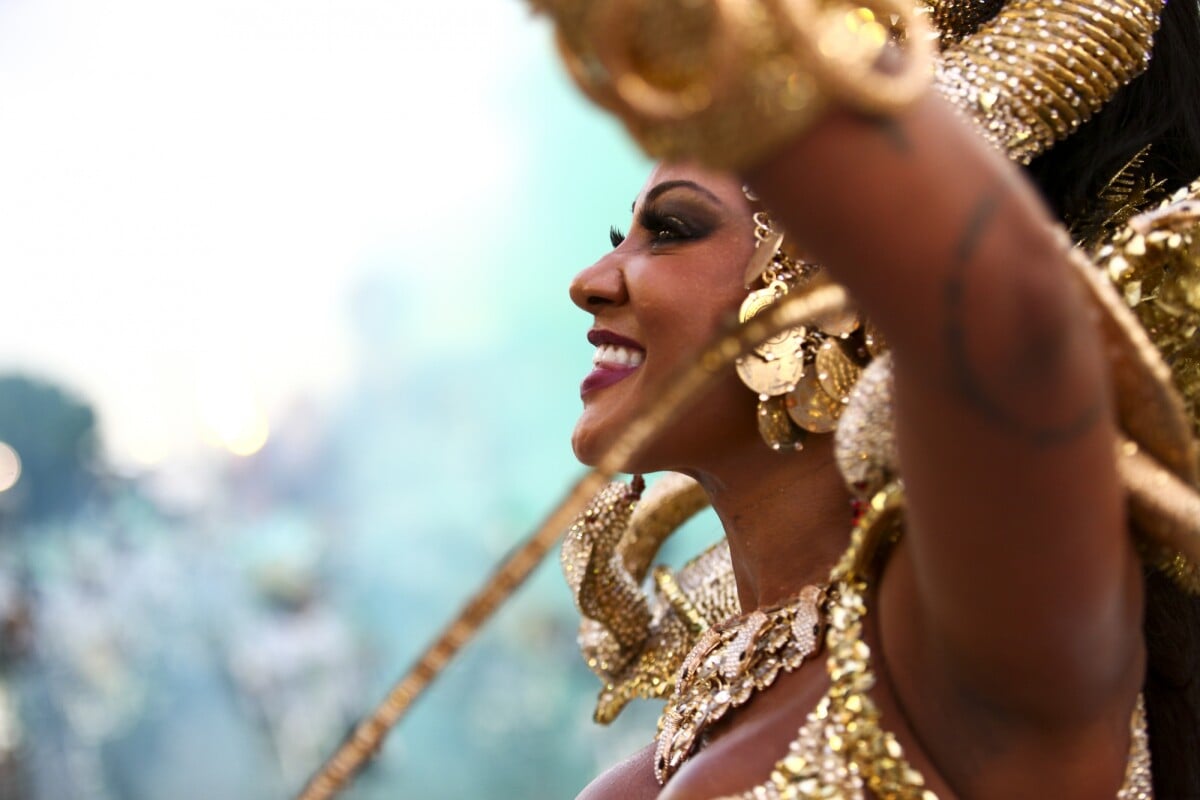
1028	73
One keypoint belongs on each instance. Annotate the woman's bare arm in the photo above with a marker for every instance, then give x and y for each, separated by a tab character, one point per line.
1024	589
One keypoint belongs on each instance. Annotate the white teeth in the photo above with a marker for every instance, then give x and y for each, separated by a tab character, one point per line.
611	355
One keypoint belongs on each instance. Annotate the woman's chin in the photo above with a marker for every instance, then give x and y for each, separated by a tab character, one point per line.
584	442
591	446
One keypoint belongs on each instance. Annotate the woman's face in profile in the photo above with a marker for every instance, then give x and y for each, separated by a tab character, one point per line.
663	291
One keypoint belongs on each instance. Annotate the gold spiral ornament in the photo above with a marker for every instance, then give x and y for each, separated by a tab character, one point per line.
841	46
687	74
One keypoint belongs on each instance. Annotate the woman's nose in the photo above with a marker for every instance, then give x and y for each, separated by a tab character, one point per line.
600	285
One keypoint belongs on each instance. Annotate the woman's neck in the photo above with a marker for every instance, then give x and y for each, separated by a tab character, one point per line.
787	518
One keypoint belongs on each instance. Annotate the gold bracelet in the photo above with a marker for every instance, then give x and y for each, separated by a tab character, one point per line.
724	82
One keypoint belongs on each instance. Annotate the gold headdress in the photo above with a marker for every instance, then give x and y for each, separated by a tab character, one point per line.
1033	73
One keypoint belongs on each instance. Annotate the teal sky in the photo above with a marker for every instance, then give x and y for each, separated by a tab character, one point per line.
195	195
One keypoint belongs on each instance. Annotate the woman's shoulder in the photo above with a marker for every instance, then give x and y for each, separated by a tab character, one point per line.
744	747
631	779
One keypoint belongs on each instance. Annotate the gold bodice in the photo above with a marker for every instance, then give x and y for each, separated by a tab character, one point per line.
843	749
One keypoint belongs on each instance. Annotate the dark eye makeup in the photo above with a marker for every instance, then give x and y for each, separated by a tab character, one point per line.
670	224
670	220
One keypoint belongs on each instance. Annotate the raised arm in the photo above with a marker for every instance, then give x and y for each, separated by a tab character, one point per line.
1013	604
1018	586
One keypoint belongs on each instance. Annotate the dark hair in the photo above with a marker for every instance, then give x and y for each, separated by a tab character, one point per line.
1162	109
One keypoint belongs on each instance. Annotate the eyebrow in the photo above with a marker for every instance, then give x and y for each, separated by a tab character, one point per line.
666	186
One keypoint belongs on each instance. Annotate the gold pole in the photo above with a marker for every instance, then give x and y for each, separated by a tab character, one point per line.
368	735
795	309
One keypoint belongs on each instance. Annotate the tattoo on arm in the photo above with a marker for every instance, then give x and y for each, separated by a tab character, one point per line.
963	372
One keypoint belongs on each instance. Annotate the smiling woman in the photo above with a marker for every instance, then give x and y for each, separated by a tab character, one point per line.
685	236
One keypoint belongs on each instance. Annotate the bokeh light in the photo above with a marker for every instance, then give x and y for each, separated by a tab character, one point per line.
10	467
233	418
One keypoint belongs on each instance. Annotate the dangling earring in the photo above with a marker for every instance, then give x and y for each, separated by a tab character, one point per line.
803	375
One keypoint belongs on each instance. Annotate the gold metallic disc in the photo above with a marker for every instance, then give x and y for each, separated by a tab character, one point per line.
811	408
840	322
755	303
779	373
764	252
790	343
774	366
836	371
783	343
758	300
843	323
775	426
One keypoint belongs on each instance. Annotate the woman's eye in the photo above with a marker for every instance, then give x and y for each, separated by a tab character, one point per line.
615	236
671	228
666	228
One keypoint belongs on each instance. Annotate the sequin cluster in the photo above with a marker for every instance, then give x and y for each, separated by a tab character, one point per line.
865	440
842	750
1139	782
1154	262
706	584
956	19
1041	68
605	592
729	663
634	641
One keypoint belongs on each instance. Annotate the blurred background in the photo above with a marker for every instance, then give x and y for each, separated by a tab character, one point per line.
287	363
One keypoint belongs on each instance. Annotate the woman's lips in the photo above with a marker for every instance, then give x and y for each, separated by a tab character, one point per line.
603	376
617	357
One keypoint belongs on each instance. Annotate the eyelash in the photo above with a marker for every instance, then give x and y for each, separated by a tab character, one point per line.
665	227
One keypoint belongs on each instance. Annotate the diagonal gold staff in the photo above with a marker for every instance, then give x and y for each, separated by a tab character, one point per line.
797	308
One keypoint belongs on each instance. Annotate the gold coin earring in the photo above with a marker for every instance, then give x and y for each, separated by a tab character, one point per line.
802	375
774	368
